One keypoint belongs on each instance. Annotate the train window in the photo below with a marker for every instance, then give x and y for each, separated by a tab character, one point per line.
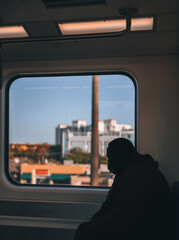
51	127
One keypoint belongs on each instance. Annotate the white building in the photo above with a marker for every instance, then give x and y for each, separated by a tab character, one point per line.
79	135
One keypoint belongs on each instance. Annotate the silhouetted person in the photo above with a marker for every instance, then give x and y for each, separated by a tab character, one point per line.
138	205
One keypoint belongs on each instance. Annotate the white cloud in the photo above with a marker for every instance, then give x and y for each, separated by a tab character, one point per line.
70	87
40	88
119	86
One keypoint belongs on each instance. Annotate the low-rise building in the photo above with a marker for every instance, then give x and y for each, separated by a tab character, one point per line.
43	173
74	174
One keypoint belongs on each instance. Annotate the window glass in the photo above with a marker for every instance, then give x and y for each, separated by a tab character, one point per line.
50	127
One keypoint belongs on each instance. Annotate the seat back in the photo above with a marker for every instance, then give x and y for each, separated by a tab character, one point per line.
175	196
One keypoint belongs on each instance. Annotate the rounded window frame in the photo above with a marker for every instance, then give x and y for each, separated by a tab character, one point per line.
85	73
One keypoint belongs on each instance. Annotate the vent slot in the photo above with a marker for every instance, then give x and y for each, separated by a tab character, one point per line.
71	3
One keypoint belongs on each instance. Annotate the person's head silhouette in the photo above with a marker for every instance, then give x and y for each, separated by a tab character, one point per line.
120	153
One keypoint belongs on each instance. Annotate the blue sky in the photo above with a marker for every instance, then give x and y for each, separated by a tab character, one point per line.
37	105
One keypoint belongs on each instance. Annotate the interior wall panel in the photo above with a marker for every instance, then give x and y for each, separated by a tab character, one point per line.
158	128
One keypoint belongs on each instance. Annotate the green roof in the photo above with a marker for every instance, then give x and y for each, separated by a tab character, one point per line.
26	176
60	176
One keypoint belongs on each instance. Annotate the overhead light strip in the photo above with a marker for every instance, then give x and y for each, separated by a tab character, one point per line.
106	26
12	32
142	24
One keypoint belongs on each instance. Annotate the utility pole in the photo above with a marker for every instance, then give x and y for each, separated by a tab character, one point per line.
95	132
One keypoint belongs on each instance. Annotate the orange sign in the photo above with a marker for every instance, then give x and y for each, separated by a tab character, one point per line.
41	172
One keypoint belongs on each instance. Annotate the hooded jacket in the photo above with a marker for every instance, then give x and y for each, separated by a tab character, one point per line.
138	206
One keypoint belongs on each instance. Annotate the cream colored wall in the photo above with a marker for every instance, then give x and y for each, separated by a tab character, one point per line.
158	114
158	111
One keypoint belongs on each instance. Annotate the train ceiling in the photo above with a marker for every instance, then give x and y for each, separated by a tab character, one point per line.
40	18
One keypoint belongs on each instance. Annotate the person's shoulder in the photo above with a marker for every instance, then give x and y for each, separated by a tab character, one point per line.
142	166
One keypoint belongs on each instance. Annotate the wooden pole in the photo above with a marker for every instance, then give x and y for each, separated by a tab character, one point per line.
95	132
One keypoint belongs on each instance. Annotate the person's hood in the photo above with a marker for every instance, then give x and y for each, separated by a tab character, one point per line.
139	158
149	159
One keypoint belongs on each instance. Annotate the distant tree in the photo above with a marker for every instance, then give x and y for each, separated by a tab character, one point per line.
52	160
103	159
55	152
76	150
11	155
42	152
30	154
78	156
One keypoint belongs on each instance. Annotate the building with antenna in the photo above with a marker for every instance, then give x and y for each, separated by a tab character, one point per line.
78	135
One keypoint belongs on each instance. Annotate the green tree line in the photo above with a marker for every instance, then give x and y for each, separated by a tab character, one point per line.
78	156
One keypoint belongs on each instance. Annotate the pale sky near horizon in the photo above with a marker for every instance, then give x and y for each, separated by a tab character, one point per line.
37	105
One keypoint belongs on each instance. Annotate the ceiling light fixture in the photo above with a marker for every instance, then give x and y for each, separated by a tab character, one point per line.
95	27
106	26
12	32
142	24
